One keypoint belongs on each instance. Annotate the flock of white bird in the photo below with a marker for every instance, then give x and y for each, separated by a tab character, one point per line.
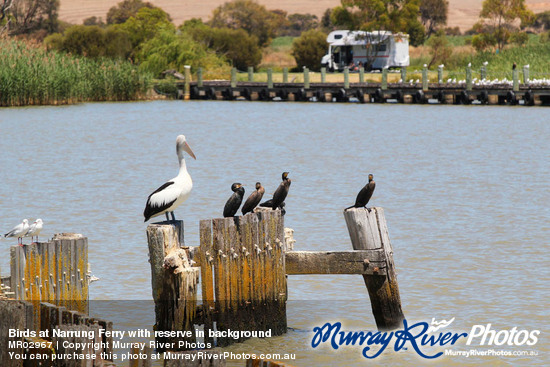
25	230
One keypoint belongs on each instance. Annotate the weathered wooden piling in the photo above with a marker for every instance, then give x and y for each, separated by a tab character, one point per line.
361	74
323	75
270	78
403	74
384	79
243	273
440	74
469	82
199	78
285	75
346	78
368	231
250	73
306	78
187	90
425	80
174	281
54	271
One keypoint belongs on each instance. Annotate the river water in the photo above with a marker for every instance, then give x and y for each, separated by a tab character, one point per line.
464	188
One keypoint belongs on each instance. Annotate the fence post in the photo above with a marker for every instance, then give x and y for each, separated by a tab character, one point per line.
233	77
403	74
425	80
323	75
440	74
306	78
250	73
187	87
199	78
361	74
384	78
285	75
515	77
526	74
483	72
346	78
469	78
270	78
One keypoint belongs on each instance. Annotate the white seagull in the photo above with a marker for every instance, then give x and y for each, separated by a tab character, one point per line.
174	192
19	231
34	229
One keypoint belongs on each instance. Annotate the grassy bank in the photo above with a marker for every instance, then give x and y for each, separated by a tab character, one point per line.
30	75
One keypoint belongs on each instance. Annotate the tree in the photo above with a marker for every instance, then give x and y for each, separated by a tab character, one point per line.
542	20
326	22
309	49
248	15
497	18
27	16
93	20
235	45
433	13
389	15
145	25
440	47
125	9
168	50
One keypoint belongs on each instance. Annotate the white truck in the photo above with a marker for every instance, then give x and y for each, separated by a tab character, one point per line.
372	50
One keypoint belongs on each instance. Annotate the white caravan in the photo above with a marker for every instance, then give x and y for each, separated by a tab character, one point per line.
372	50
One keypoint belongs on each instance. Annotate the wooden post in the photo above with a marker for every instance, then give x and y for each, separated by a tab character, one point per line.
469	78
346	78
306	78
425	80
515	78
323	75
174	281
199	78
368	231
250	73
270	78
244	258
526	74
403	74
384	78
440	74
52	271
361	74
285	75
187	87
483	72
233	77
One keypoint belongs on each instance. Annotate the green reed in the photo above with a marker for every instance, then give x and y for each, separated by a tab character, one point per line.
32	75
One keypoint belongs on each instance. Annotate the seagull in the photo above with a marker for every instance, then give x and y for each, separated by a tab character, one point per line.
485	63
34	229
169	196
19	231
469	64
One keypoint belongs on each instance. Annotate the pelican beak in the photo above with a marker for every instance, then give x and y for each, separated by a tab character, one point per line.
187	148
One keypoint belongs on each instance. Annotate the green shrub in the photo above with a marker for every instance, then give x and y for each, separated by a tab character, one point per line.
309	49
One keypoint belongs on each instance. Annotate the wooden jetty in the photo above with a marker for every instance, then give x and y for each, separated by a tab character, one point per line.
244	262
422	91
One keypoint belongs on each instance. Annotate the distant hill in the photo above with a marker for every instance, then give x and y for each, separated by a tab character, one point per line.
462	13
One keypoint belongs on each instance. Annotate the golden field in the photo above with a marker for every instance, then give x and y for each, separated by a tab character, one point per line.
462	13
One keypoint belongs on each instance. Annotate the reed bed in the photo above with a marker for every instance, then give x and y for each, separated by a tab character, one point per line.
31	75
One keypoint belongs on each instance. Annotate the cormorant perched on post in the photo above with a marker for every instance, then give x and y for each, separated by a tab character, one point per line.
234	201
514	66
282	191
253	199
365	194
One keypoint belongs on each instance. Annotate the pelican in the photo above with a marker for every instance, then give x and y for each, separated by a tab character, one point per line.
169	196
365	194
19	231
34	229
253	199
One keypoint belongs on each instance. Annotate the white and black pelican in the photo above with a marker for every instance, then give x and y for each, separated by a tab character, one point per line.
169	196
34	229
19	231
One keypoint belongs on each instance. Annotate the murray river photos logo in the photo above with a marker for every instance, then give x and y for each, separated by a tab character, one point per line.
420	337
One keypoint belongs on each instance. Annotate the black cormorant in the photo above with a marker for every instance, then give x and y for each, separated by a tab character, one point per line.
365	194
282	191
234	201
253	199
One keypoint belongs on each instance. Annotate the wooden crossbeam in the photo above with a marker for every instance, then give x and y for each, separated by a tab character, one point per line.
365	262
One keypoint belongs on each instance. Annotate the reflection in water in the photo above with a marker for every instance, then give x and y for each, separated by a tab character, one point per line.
465	191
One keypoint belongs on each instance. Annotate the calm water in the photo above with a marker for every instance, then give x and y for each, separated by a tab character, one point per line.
465	191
